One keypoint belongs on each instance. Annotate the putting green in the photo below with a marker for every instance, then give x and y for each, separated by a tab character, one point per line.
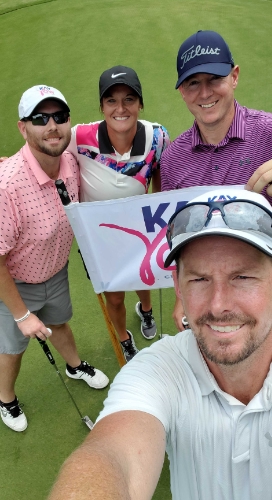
67	44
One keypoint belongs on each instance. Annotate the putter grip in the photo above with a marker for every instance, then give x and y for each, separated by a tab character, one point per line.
63	193
46	350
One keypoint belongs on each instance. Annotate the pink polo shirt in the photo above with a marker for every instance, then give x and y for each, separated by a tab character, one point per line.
35	232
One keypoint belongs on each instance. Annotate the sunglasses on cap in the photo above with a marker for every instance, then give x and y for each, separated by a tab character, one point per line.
42	119
237	214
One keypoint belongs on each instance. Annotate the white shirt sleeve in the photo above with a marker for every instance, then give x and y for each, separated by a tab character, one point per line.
152	382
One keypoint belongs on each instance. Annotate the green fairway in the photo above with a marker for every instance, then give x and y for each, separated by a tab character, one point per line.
67	44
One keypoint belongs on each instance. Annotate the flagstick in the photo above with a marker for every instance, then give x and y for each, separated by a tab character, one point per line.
65	199
160	293
161	334
115	342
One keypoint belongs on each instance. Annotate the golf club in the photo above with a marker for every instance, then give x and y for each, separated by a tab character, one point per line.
63	193
49	356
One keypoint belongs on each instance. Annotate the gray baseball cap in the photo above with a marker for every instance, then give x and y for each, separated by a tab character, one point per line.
248	217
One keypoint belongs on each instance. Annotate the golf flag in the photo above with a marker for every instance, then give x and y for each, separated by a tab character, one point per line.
123	241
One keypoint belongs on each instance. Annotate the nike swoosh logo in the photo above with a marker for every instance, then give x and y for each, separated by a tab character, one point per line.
117	74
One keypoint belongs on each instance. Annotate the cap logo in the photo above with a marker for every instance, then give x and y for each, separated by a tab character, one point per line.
46	90
192	52
221	197
117	74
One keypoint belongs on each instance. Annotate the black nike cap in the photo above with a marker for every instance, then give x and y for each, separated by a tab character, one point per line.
119	75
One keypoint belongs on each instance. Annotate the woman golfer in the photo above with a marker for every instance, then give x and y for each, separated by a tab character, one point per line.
118	157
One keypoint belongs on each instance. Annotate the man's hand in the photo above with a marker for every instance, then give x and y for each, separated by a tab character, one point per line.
32	327
262	177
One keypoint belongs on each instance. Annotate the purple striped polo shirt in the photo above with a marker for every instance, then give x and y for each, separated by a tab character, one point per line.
247	145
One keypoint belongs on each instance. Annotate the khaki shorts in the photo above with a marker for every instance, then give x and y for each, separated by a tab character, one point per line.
50	301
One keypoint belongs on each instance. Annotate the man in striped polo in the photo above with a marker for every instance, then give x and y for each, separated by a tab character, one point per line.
228	143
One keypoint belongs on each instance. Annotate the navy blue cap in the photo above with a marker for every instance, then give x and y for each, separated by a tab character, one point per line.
204	52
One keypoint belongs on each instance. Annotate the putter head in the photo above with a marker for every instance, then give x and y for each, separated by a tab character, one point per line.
88	422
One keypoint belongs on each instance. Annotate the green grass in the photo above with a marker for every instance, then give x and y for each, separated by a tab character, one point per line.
33	458
11	5
67	44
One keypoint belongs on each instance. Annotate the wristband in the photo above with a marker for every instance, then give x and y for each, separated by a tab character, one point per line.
23	317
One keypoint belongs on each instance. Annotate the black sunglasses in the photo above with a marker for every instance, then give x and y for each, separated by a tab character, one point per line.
243	215
42	119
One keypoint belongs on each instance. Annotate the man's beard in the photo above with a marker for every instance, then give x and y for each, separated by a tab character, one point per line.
56	151
223	353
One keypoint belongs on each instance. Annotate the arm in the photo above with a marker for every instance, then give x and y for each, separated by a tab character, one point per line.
121	459
163	142
156	181
262	177
9	294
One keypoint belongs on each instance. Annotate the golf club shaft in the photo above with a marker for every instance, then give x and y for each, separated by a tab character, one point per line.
63	193
51	359
66	200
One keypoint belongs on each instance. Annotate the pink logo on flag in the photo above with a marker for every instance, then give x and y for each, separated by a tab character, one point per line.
146	273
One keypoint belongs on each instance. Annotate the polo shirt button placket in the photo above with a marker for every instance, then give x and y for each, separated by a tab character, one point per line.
215	150
242	433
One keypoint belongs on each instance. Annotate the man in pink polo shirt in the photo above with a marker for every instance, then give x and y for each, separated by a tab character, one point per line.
35	242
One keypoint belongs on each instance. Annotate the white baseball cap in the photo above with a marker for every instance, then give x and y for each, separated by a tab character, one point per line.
248	217
33	96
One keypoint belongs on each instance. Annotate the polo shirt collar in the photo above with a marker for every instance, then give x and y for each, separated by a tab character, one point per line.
42	178
105	146
237	129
